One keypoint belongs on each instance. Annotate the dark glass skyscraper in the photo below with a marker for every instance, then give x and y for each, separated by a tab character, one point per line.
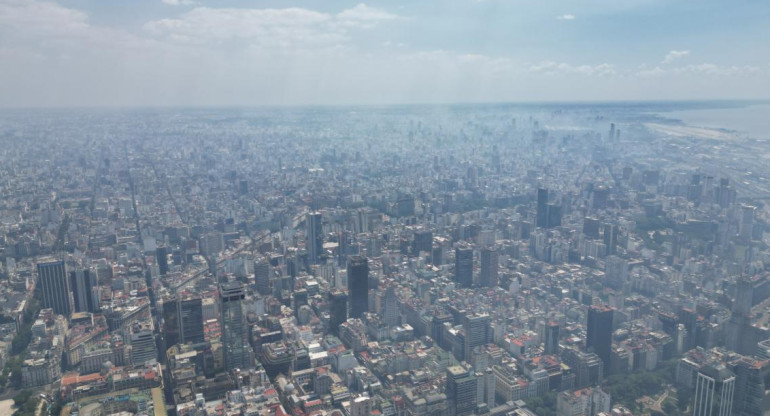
599	333
82	282
314	236
358	285
490	260
237	351
161	253
191	319
55	286
542	209
552	338
338	309
464	265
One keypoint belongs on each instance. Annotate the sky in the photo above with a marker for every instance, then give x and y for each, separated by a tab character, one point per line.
76	53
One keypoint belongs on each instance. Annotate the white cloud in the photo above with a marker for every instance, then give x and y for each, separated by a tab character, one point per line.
674	55
566	17
364	16
268	28
554	68
178	2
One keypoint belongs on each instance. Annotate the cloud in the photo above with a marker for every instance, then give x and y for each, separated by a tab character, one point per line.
674	55
268	28
566	17
555	68
703	69
364	16
178	2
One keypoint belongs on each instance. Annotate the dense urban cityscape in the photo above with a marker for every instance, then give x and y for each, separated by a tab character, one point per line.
528	260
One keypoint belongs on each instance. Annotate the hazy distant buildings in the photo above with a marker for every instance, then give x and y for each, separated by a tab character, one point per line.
548	214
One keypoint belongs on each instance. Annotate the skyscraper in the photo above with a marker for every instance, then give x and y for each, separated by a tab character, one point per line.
190	319
161	253
552	338
390	312
262	276
611	238
358	285
171	322
599	332
237	352
714	389
490	259
142	339
82	282
338	310
55	287
461	390
542	209
464	265
476	333
314	236
423	241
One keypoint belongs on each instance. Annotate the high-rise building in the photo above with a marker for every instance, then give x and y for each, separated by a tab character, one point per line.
171	322
477	333
542	209
591	227
358	285
615	271
315	236
237	352
548	214
490	260
338	310
751	383
742	336
142	340
190	319
82	282
161	253
262	276
464	265
611	238
55	286
599	197
599	332
390	310
714	389
423	241
552	338
461	390
747	221
553	215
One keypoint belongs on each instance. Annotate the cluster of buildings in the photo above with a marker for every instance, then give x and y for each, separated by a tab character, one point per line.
388	263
